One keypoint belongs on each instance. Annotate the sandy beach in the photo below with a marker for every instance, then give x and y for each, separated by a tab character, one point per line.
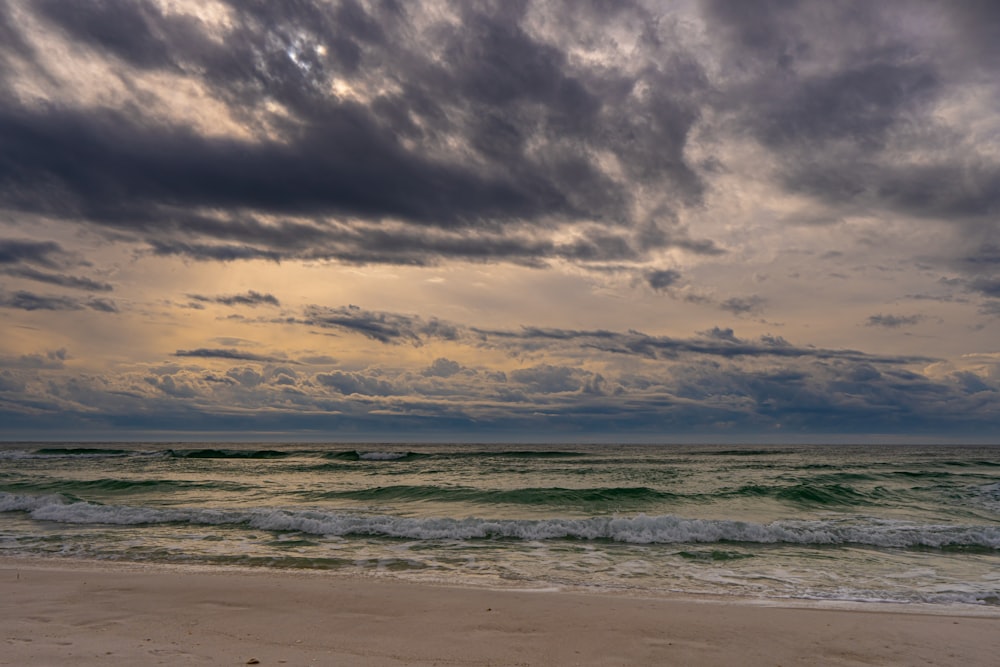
58	612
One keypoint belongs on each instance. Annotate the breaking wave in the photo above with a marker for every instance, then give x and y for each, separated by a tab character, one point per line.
640	529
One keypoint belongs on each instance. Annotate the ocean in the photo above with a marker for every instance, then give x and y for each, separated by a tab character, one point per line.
900	524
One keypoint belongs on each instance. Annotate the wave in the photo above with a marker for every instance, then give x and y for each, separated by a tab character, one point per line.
714	555
970	464
524	496
354	455
58	452
389	455
228	454
744	452
121	485
219	453
80	451
811	494
386	456
640	529
531	454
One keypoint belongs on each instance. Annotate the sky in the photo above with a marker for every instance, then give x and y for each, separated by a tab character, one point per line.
594	220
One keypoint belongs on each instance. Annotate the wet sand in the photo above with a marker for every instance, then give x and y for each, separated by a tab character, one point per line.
55	612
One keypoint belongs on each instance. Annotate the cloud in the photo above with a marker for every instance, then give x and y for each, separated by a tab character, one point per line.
172	386
20	258
601	141
858	126
248	377
986	286
62	280
318	360
703	396
225	353
442	368
428	132
893	321
384	327
355	383
251	298
398	328
29	301
662	279
24	300
51	360
547	379
103	305
690	393
474	135
743	305
43	253
991	307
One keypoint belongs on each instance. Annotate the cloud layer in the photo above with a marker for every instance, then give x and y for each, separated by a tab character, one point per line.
190	190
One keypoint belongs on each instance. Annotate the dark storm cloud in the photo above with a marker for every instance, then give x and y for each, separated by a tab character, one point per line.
12	42
362	243
952	189
133	31
979	22
251	298
482	139
859	105
110	164
846	96
793	97
476	136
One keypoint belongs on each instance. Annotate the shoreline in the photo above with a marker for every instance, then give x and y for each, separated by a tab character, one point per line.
99	613
45	562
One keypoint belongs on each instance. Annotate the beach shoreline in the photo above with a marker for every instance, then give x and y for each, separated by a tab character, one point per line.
57	611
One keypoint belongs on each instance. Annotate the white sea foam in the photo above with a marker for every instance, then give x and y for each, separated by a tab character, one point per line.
641	529
12	502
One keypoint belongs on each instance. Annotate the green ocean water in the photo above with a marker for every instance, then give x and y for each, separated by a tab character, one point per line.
907	524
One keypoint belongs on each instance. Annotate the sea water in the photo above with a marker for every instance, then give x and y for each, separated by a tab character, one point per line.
905	524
